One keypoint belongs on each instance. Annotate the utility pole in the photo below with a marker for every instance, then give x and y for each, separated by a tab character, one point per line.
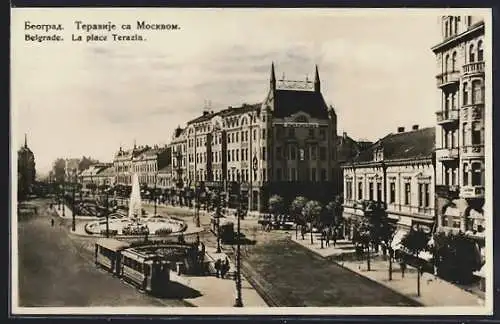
107	214
217	218
64	196
73	223
154	193
239	213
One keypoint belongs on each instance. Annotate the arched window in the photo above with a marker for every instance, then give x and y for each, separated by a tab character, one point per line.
454	61
446	63
471	54
465	94
446	28
480	51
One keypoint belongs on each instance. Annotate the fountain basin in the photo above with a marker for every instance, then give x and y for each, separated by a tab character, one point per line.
137	226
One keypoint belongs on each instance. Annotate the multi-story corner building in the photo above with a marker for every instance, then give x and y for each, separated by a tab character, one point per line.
397	170
285	145
460	132
25	170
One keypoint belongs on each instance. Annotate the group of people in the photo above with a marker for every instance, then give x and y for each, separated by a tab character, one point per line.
221	267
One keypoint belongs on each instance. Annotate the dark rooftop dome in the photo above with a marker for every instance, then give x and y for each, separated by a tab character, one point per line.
289	102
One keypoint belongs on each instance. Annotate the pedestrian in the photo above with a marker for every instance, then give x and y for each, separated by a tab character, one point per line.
224	268
334	238
402	265
327	237
218	265
303	231
52	222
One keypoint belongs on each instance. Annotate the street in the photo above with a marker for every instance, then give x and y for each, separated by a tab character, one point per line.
56	270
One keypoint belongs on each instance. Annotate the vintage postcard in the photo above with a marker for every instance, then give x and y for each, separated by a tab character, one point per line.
251	161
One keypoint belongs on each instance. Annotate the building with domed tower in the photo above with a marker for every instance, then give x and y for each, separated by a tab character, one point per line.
285	145
25	170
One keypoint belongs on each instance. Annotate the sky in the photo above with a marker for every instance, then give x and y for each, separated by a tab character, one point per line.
77	98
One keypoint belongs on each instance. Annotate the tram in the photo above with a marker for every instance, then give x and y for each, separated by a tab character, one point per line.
147	271
108	254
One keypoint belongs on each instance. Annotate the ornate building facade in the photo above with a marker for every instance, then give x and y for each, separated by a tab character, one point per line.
397	170
285	145
460	172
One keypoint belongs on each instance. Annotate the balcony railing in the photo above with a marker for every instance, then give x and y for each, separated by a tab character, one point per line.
472	192
448	78
447	116
473	68
473	150
447	154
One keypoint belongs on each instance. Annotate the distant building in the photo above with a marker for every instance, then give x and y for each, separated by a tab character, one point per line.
460	144
97	175
71	169
397	170
25	170
146	161
285	145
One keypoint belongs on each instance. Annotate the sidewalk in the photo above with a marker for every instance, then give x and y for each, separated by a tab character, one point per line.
218	292
433	290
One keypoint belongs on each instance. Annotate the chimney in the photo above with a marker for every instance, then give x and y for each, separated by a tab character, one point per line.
401	129
344	135
414	127
205	112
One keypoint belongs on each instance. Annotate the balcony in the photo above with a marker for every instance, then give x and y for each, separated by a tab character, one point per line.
447	117
448	191
469	192
448	78
473	151
447	154
471	69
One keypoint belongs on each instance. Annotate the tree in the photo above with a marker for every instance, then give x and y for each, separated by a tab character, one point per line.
311	211
296	208
414	242
59	168
455	256
329	213
86	162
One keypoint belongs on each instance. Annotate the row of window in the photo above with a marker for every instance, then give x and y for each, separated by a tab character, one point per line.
470	136
475	54
472	174
476	92
376	193
291	133
292	174
137	266
310	153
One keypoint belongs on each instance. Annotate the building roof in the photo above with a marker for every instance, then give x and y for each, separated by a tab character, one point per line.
226	112
107	171
400	146
348	148
288	102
